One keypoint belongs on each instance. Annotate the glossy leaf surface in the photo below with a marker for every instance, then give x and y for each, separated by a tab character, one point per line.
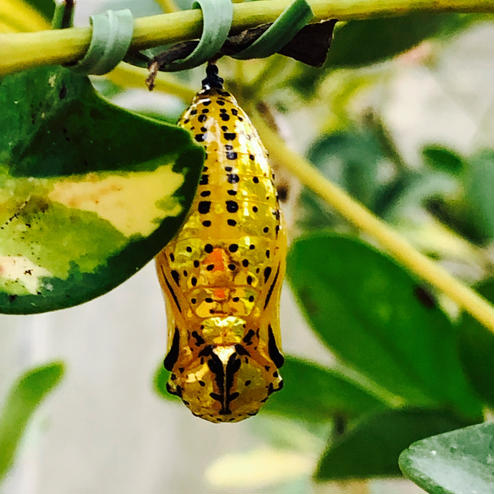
458	462
477	349
372	448
478	192
374	316
443	159
89	192
45	7
315	393
22	401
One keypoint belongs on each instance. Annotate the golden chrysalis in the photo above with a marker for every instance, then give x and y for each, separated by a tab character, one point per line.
222	273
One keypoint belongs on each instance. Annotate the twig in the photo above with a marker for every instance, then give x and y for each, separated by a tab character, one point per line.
362	218
20	51
167	5
127	75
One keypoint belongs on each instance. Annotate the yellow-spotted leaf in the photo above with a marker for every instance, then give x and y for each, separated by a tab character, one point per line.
89	192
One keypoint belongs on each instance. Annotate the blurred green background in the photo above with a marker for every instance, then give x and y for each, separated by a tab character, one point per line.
401	117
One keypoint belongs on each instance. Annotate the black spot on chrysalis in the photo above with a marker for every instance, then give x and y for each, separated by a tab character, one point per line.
172	356
274	353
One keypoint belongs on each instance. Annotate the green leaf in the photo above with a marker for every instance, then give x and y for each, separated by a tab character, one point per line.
479	177
159	384
313	213
458	462
369	41
477	349
314	393
374	316
471	212
22	401
372	447
442	159
45	7
350	159
365	42
89	192
412	190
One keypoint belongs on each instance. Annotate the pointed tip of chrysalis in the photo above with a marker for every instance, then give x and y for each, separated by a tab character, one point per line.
212	80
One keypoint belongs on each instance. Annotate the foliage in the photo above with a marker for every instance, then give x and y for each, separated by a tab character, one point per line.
405	369
468	207
23	399
71	164
457	462
379	321
479	177
391	332
476	349
378	40
351	294
370	449
44	7
397	337
315	393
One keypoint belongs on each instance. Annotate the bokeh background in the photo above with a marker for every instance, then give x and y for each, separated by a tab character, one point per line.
104	429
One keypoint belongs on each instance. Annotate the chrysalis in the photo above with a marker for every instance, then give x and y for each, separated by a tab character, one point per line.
222	273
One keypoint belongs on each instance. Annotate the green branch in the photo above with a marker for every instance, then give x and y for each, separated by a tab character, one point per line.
21	51
128	76
354	212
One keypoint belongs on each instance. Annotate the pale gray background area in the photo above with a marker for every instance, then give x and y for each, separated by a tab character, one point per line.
104	430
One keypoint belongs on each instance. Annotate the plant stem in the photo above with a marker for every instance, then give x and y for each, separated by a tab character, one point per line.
127	75
387	144
363	219
24	50
272	67
167	5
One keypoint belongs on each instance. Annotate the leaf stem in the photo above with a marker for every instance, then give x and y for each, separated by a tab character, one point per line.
127	75
20	51
362	218
272	67
167	5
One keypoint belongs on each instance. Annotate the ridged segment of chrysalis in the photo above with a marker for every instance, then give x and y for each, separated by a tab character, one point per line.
222	273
